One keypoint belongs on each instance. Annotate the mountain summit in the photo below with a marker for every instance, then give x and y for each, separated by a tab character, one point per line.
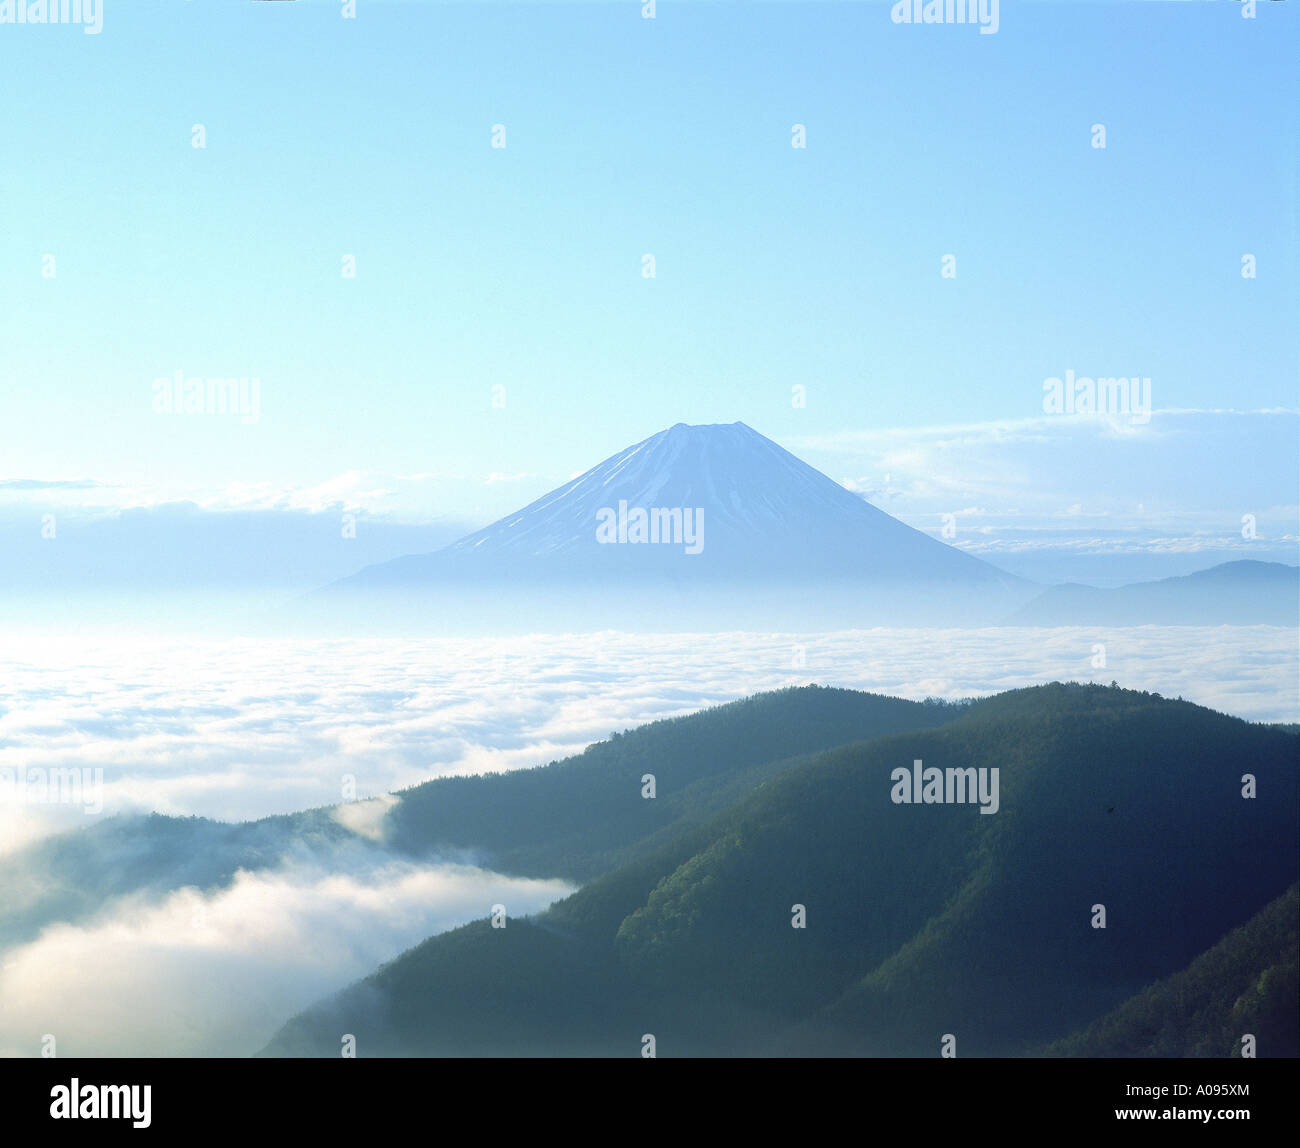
753	508
717	522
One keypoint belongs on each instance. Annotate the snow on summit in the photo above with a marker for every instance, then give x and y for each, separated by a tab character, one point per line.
710	503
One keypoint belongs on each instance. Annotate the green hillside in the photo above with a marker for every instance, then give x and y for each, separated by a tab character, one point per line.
582	816
921	920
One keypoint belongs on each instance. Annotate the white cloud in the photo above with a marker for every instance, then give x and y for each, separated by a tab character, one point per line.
420	497
238	729
216	975
367	819
1052	470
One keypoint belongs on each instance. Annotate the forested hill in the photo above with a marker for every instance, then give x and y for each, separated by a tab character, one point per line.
920	919
579	817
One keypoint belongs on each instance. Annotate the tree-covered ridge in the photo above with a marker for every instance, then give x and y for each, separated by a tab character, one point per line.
920	920
582	816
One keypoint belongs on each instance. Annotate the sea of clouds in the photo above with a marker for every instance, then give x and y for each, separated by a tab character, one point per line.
239	729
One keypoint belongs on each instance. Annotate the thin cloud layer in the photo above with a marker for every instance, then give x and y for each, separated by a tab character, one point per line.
1066	478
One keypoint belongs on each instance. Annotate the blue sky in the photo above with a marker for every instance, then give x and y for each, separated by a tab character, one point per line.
775	266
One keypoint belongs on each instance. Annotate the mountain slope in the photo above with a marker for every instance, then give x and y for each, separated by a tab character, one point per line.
1246	984
920	920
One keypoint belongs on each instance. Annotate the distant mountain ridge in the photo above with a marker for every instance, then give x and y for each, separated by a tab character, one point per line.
1242	593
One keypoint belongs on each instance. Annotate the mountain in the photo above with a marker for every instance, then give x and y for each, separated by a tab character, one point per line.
697	526
1245	593
919	919
765	512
